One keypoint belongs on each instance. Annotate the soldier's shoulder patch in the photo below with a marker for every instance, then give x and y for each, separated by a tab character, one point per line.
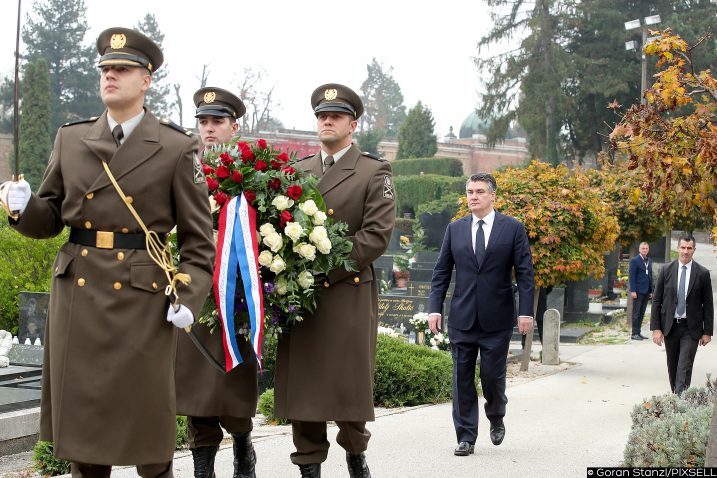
86	120
388	187
372	156
199	177
175	127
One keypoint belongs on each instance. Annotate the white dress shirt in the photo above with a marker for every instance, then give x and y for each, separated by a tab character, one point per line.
487	228
336	155
687	283
128	126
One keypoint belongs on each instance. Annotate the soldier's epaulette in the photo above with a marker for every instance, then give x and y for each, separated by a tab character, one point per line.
175	127
372	156
86	120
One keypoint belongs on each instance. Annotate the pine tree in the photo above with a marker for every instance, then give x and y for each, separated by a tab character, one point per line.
56	32
157	99
35	131
415	137
383	101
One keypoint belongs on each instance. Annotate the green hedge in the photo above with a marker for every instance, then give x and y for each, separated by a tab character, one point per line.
25	265
413	191
416	166
266	408
671	430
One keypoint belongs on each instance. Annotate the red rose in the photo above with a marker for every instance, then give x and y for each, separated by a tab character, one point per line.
226	159
261	166
212	184
283	157
250	196
220	198
275	184
247	154
261	143
276	164
236	176
207	169
288	170
242	145
222	172
294	192
285	217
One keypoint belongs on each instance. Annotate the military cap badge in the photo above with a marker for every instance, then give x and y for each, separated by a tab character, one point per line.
209	97
118	41
330	94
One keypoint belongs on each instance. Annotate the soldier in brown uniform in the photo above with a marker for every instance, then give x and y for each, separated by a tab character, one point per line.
108	394
325	365
210	399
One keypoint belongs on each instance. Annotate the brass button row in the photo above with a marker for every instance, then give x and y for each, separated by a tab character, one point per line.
117	285
88	225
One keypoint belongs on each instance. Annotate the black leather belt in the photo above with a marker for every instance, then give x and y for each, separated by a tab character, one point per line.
681	321
107	239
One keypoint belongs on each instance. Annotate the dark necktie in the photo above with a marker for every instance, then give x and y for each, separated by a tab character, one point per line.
480	243
328	162
118	134
681	305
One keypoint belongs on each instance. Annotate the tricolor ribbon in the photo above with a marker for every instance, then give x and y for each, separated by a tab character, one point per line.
238	259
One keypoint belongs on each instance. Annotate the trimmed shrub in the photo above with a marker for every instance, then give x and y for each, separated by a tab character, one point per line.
411	191
182	440
266	408
45	461
416	166
408	375
434	217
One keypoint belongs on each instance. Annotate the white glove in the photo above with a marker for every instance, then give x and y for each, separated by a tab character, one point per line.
16	195
182	318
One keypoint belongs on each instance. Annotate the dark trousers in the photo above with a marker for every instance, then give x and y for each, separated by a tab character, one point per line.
680	350
639	306
207	431
87	470
493	349
312	444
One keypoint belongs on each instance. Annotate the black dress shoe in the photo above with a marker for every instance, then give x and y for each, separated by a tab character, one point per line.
637	337
497	432
464	449
642	337
312	470
357	466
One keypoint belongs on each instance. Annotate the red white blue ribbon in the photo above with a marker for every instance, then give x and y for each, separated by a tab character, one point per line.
238	260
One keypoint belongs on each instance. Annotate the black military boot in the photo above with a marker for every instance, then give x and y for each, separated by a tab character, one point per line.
204	461
357	466
312	470
244	456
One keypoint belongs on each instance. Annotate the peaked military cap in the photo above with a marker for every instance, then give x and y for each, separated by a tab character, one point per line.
211	101
122	46
337	98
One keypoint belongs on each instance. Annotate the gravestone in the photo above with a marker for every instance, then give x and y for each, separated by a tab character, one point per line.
551	337
556	300
576	300
33	314
394	310
384	268
427	256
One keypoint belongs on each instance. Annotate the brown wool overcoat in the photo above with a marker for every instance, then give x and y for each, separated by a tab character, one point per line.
108	374
325	365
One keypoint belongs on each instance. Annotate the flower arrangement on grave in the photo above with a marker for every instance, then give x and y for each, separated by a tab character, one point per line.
437	341
275	241
403	260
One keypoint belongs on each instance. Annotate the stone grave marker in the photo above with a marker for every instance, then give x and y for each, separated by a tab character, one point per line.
33	315
551	337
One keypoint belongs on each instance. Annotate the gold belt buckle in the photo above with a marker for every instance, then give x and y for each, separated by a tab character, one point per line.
105	240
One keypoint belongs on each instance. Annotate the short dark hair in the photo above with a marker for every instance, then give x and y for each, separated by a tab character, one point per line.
486	178
687	237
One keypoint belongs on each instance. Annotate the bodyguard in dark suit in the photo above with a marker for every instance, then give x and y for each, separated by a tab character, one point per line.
682	313
485	248
640	277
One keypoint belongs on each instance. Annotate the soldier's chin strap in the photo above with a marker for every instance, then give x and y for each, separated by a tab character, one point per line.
160	252
5	193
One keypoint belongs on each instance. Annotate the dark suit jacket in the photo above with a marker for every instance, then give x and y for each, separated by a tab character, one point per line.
485	292
639	281
700	311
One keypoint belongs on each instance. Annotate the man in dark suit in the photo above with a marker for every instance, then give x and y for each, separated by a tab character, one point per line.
640	277
682	313
486	248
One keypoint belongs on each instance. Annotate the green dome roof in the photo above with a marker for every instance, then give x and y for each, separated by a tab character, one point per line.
473	124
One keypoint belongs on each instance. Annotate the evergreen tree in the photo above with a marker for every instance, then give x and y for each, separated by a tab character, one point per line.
157	99
368	140
7	101
35	133
56	32
382	100
415	137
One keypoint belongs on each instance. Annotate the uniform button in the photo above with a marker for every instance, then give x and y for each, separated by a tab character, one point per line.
84	252
90	195
356	280
331	212
125	230
117	286
129	200
326	284
57	269
120	256
88	225
154	285
81	282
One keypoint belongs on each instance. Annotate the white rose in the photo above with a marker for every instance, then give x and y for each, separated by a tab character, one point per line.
308	207
266	229
324	245
319	217
294	231
281	286
307	251
273	241
305	279
282	202
317	234
277	265
265	258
